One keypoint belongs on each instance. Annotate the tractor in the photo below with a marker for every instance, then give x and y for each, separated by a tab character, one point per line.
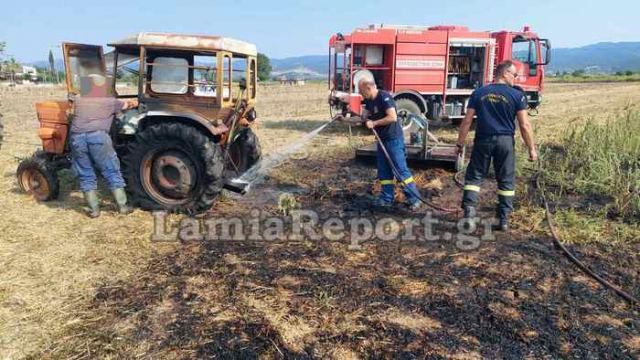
191	133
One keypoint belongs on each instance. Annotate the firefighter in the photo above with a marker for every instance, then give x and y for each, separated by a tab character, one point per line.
91	146
379	113
497	107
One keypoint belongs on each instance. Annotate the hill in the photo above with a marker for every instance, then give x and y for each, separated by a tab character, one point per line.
605	57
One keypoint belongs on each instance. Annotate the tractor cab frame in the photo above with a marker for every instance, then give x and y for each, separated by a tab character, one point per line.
188	77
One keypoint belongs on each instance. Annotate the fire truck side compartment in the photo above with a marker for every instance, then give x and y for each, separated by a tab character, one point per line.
441	65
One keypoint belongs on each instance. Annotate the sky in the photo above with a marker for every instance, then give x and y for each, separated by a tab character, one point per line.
284	28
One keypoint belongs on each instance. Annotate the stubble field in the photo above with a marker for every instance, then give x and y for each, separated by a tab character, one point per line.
81	288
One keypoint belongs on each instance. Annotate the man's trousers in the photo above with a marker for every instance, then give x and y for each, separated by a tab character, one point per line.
501	150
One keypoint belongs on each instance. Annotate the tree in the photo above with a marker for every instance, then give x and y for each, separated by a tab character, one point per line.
10	65
3	46
579	73
264	67
628	72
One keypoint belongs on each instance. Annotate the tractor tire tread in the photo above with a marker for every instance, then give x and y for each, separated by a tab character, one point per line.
190	140
40	161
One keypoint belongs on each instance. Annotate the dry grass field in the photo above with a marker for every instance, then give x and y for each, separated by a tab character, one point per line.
71	287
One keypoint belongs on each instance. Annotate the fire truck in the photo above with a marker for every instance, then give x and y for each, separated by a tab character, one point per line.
431	71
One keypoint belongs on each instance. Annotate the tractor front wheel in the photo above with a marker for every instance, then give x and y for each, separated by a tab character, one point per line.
38	177
244	151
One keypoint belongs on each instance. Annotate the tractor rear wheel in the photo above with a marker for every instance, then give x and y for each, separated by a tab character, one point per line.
406	107
175	167
38	177
244	151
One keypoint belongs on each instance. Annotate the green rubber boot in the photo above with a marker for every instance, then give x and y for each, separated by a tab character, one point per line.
93	204
121	199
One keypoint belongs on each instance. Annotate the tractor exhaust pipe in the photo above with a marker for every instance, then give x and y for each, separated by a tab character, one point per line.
236	186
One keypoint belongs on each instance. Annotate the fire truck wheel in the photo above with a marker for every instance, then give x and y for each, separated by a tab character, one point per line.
174	167
244	151
38	177
406	107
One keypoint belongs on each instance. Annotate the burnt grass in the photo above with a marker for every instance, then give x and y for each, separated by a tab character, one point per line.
513	297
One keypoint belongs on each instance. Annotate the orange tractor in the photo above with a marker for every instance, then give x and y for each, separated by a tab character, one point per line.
191	132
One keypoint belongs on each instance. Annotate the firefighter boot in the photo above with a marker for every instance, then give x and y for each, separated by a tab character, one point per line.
503	221
121	199
93	209
469	212
503	224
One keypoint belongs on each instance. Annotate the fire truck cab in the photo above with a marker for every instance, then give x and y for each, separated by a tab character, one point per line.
431	71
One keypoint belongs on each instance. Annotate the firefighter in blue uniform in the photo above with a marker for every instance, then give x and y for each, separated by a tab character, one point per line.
379	113
497	107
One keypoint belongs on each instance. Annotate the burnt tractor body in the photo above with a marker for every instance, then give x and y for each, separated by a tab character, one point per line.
190	133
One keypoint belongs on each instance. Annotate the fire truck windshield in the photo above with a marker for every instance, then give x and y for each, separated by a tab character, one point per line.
524	50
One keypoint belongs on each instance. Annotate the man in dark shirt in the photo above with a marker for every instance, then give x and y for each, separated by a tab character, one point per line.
91	145
497	106
380	114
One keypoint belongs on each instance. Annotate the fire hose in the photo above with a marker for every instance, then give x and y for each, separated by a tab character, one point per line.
549	217
535	180
396	174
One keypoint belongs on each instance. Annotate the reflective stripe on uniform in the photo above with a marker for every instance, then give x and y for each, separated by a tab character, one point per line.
475	188
408	180
386	182
506	192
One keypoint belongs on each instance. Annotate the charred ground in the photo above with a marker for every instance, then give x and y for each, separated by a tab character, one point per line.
78	288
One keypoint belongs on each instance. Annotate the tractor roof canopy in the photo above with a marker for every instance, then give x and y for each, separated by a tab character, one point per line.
187	42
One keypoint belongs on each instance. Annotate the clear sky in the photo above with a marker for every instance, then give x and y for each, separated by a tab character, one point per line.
282	28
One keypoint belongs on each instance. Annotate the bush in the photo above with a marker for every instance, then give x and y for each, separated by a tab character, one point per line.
578	73
602	161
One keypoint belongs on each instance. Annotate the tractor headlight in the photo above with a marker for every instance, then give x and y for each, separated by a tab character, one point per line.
251	115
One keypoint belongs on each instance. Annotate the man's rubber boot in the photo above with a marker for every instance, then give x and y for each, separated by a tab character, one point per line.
121	199
469	212
93	209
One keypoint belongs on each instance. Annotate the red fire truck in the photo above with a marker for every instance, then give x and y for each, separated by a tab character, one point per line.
431	71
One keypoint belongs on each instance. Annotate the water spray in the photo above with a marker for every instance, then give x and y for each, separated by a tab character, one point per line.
256	173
